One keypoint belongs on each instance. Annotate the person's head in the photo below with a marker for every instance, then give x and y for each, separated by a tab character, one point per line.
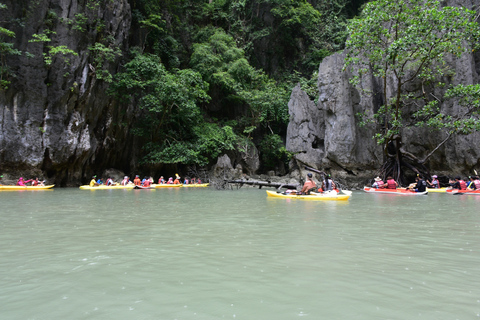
389	178
457	178
309	175
434	177
377	179
93	177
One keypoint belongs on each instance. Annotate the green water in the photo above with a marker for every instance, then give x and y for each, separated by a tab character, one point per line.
206	254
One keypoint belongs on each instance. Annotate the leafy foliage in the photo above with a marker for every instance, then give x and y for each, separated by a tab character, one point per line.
176	131
409	41
6	49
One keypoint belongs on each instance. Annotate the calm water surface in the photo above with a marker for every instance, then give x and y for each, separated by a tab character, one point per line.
206	254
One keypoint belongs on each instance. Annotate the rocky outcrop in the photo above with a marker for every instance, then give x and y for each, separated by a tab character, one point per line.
347	149
58	117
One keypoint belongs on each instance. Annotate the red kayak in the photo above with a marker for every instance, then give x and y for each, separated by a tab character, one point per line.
456	191
398	191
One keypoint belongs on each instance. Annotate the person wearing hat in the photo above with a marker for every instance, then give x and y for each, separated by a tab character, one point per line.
378	183
435	183
309	185
93	182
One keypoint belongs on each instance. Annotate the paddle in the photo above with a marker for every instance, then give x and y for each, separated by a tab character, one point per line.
347	192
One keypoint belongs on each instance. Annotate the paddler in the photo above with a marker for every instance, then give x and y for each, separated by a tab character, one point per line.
378	183
93	182
458	184
137	181
328	183
177	179
309	185
421	185
22	182
391	183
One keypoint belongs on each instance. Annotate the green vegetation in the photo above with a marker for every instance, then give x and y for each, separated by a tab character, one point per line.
408	42
205	76
249	55
6	49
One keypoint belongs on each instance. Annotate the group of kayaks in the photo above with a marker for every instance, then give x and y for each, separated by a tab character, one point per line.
345	195
153	186
408	192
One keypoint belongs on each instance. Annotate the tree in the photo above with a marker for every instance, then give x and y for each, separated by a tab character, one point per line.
407	43
172	125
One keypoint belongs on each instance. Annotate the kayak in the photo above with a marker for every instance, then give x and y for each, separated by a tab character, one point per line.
104	187
437	190
456	191
312	196
196	185
13	188
398	191
166	185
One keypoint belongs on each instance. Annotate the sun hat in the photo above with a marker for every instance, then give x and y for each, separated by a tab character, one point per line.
378	179
434	176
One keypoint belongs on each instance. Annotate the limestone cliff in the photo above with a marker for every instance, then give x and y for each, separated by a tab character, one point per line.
327	135
57	119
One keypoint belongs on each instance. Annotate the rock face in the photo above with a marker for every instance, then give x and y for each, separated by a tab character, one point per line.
58	117
347	149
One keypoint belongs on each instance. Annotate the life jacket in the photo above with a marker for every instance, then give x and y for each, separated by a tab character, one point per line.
477	184
146	183
463	185
391	184
137	181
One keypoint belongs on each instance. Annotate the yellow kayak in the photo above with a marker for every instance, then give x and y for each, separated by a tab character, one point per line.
314	197
13	188
167	185
196	185
104	187
438	190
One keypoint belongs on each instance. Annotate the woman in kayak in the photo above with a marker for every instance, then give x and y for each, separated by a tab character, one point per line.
22	182
435	183
309	185
378	183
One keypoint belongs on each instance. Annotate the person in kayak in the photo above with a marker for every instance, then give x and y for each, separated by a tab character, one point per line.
391	183
177	180
421	185
137	181
125	181
22	182
458	184
378	183
93	182
328	184
476	182
147	182
435	183
161	180
309	185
